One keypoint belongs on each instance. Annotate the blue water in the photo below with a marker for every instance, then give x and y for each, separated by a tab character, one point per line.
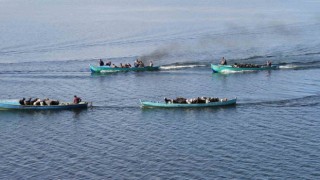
272	133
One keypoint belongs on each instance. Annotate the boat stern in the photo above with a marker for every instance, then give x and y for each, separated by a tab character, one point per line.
215	68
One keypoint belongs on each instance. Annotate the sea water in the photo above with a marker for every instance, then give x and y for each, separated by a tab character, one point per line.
47	46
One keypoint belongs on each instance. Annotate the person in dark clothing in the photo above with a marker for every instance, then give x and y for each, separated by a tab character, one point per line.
21	101
32	101
101	62
223	61
27	102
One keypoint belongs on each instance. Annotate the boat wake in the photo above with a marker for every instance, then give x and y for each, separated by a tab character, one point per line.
300	65
184	65
288	66
308	101
235	72
169	67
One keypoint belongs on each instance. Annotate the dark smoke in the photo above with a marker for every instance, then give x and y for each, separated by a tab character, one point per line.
160	54
265	39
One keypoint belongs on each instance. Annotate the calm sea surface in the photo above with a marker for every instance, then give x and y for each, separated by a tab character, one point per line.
272	133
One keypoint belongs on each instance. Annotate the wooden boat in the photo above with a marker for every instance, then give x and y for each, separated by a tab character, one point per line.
105	69
150	104
232	68
15	105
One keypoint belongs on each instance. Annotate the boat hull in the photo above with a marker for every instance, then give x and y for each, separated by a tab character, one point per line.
14	105
106	69
149	104
230	68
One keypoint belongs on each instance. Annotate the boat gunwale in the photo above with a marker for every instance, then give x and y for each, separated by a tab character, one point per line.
222	68
155	104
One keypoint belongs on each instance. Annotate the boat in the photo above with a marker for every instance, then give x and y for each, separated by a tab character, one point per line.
15	105
233	68
105	69
221	102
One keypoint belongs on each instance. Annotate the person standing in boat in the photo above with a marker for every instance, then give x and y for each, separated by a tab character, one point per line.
151	64
136	63
141	64
101	62
269	63
76	99
223	61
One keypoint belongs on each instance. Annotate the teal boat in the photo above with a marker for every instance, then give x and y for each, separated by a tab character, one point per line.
106	69
150	104
233	68
15	105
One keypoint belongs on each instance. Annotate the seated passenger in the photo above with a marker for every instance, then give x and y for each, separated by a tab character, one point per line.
27	102
180	100
43	103
151	64
108	63
114	66
47	101
21	101
37	102
141	64
201	100
212	99
54	102
166	100
33	100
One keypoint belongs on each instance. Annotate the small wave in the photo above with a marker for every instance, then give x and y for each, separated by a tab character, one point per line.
312	53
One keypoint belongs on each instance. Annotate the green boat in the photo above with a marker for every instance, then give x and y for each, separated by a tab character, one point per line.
234	68
106	69
150	104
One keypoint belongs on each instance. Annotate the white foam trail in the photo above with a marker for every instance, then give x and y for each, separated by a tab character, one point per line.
233	72
288	66
180	66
